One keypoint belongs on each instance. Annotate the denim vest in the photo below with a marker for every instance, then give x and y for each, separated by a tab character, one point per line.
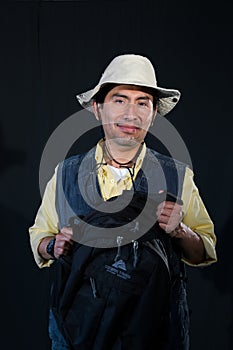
77	190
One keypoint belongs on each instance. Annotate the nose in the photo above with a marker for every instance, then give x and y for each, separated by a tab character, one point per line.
130	112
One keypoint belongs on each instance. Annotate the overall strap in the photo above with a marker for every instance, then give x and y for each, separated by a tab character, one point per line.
159	172
76	187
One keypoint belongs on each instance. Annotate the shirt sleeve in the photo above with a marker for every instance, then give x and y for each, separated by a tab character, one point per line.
46	222
197	218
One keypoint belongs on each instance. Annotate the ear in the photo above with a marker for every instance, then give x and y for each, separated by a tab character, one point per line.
96	110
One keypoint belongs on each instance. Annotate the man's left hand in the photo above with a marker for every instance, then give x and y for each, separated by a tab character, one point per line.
169	216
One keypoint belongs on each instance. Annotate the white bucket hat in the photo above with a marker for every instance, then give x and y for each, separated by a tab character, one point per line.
132	70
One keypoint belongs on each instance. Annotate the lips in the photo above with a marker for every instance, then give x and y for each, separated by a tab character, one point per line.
129	128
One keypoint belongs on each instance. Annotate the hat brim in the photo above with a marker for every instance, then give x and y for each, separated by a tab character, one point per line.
168	98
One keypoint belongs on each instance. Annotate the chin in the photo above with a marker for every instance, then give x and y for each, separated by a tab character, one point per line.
127	141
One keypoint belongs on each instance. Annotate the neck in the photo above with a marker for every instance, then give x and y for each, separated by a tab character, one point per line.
120	156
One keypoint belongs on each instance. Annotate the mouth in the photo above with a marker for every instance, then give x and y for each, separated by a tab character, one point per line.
127	128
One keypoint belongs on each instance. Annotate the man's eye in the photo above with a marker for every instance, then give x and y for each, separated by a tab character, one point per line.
143	104
119	100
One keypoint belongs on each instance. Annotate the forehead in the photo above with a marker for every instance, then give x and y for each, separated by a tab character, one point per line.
130	90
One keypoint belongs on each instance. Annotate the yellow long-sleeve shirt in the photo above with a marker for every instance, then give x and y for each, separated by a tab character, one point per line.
195	213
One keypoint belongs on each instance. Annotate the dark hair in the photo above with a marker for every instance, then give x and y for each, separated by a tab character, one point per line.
104	90
101	94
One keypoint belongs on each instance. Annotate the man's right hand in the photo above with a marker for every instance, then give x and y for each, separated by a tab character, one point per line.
63	244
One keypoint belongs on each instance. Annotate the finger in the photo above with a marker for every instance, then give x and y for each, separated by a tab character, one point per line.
58	252
62	247
160	208
63	243
167	228
170	205
61	237
168	215
164	227
173	214
163	219
170	219
67	230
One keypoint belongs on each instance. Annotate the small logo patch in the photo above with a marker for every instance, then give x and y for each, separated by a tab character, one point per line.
116	269
120	264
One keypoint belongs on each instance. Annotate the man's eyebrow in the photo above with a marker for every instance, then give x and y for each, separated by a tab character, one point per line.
120	95
124	96
143	98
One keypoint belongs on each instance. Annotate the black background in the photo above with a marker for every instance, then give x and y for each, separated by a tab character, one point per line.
51	50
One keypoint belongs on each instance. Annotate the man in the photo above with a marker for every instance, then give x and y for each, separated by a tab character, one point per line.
125	101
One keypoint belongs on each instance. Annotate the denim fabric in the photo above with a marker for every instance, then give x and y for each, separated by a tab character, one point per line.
57	339
78	190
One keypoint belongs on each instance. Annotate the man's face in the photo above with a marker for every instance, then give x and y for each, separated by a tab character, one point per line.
126	114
